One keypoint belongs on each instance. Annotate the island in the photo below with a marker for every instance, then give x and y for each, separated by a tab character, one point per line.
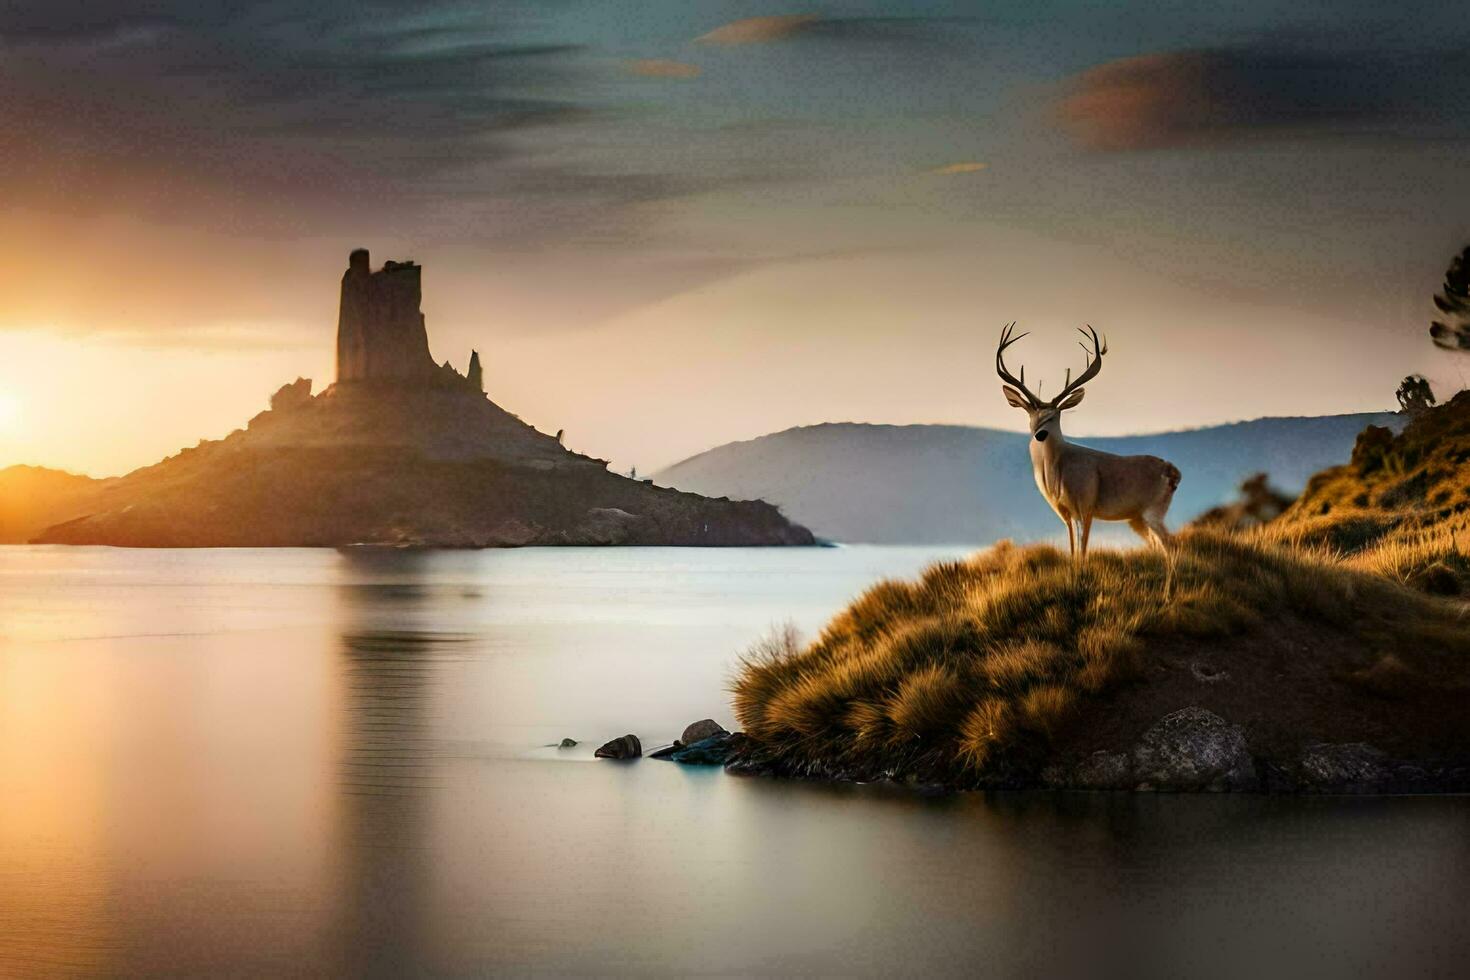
1322	647
399	451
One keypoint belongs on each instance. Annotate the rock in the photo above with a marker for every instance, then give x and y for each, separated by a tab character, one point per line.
1347	766
700	730
380	330
1101	770
745	758
1104	770
626	747
475	374
1193	749
297	394
666	752
712	751
606	525
512	533
1207	673
568	743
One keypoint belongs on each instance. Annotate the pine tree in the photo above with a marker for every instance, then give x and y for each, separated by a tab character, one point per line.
1453	332
1414	394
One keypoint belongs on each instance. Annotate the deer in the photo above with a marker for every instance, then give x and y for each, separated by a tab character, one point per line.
1081	484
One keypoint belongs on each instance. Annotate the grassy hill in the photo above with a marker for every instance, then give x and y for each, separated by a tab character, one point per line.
1400	506
894	484
1329	649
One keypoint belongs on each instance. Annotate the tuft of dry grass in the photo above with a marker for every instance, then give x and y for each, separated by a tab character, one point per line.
974	668
989	726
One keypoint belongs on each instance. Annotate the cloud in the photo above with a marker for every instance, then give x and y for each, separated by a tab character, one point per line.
1185	98
279	118
662	68
755	30
758	30
964	167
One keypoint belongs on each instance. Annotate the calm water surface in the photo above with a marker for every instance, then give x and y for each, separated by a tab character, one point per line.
306	762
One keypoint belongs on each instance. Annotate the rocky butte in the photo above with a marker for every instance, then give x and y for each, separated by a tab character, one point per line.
398	451
380	331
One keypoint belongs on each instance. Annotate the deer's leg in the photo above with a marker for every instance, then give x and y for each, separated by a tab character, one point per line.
1141	528
1086	530
1066	517
1161	534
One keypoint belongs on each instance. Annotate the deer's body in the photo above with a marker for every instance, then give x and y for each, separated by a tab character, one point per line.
1082	484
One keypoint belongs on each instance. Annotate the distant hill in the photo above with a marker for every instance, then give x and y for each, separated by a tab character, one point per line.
931	484
33	498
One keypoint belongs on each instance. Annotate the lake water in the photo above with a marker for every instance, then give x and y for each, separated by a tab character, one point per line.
307	762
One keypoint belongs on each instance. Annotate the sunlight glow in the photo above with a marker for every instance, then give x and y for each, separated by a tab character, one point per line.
10	410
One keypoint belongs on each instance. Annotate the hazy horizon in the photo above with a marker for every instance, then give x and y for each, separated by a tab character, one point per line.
666	227
644	471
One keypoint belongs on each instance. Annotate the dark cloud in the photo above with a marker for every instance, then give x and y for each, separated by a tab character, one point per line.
200	111
885	29
758	30
1186	98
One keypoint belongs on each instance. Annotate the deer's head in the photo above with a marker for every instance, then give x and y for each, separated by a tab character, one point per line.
1045	415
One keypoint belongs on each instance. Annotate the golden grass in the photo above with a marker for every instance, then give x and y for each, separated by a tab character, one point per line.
980	659
1401	506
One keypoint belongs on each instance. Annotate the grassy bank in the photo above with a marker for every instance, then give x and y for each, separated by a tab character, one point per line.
1400	506
1331	625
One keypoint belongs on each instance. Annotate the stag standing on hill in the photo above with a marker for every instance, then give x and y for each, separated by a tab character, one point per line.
1084	484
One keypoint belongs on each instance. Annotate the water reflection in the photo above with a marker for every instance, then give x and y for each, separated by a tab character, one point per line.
312	763
389	648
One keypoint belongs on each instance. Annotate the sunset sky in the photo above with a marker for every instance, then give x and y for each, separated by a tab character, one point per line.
667	224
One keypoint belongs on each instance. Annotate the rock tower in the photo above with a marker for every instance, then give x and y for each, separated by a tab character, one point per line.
475	375
380	329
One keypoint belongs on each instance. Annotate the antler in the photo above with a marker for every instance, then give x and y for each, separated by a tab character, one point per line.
1019	383
1094	365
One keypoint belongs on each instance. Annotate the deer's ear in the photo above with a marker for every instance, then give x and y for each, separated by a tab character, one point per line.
1073	400
1016	399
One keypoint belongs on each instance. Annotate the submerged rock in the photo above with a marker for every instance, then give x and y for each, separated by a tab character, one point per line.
1101	770
1193	749
568	743
1349	766
703	743
625	747
712	751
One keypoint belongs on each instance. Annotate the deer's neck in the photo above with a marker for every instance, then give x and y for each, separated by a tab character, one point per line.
1045	459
